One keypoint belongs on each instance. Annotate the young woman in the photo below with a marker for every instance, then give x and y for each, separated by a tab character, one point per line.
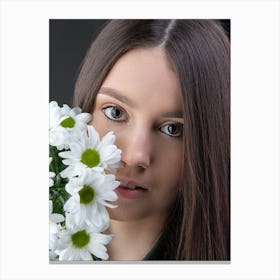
163	87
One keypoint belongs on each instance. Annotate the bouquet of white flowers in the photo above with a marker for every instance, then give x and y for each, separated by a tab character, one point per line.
80	190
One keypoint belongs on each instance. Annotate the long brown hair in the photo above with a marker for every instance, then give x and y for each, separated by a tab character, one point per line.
199	51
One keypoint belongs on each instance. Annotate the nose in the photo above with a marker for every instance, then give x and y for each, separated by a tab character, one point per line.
136	150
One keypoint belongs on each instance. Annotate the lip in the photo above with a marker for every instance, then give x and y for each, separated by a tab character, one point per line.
137	189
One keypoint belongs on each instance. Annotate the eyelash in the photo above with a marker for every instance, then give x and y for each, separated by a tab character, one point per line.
178	134
111	107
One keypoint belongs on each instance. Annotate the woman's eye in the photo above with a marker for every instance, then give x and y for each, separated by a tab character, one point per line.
114	113
172	129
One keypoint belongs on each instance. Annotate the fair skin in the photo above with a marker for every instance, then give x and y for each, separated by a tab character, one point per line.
140	101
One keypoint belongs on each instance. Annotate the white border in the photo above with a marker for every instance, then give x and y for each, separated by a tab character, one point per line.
24	138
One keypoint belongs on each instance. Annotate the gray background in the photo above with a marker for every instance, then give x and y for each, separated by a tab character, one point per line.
69	42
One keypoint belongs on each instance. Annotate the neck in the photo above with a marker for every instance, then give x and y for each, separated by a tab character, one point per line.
133	239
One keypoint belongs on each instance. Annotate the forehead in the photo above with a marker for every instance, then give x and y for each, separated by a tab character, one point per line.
146	76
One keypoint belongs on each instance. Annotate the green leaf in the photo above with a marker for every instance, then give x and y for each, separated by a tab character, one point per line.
57	192
56	165
58	196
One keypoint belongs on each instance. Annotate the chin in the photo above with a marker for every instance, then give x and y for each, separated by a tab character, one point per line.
126	213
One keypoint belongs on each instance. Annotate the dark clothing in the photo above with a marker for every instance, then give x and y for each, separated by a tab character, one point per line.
165	247
159	250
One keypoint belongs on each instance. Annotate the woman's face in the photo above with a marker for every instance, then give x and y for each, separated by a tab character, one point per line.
140	101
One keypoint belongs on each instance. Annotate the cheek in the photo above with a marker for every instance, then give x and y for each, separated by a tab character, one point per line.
170	166
168	174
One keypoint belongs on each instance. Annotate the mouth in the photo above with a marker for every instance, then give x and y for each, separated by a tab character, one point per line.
130	189
131	185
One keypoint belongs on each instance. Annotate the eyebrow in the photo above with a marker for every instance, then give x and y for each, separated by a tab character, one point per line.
117	95
173	114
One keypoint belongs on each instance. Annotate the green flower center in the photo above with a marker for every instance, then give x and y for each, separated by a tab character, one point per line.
87	194
80	239
90	158
68	123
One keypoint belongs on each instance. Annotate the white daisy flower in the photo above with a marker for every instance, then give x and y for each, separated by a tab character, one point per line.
65	124
90	195
54	228
51	175
91	153
77	244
